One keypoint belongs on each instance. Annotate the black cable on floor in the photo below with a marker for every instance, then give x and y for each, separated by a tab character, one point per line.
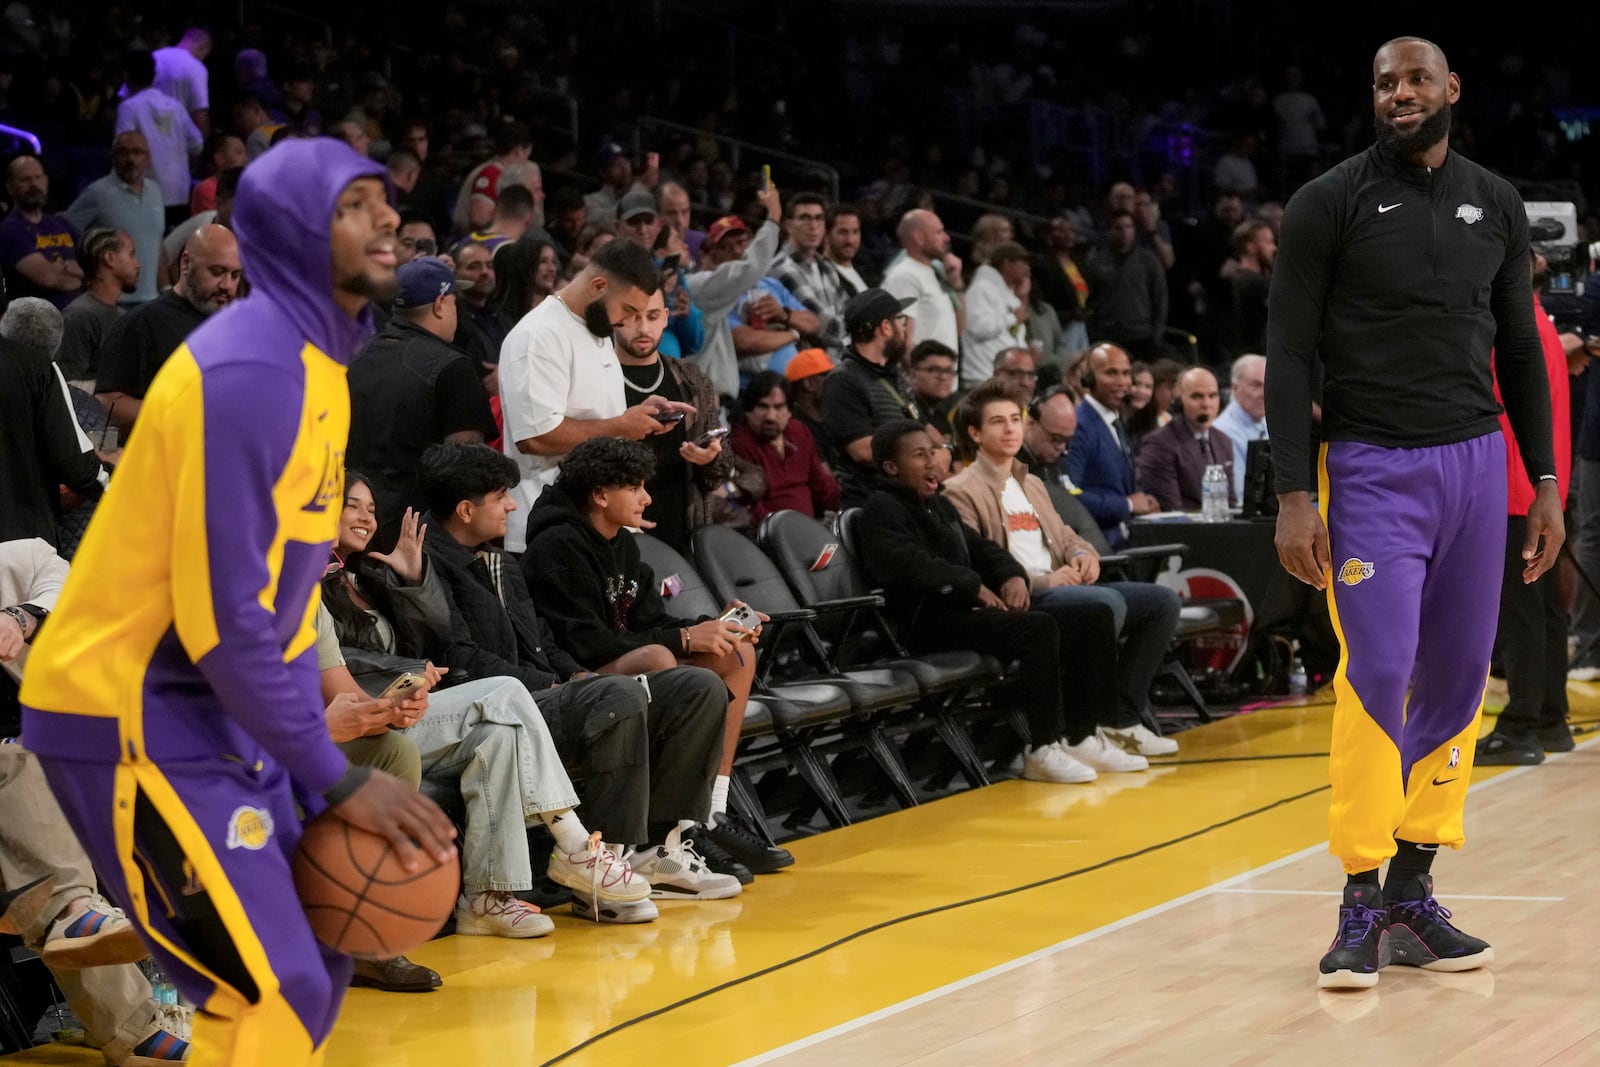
763	972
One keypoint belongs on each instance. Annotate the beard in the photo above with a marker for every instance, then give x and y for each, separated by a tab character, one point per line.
597	319
378	290
894	350
1429	132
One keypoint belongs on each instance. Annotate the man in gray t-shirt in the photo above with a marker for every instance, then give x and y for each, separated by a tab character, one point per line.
110	269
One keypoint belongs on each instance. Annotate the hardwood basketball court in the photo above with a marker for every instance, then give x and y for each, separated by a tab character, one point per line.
1173	916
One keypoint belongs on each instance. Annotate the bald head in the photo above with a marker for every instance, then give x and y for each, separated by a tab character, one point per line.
208	273
672	200
1051	428
196	41
922	235
1197	388
1110	374
27	184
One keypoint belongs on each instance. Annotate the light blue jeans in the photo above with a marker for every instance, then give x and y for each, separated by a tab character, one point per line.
488	739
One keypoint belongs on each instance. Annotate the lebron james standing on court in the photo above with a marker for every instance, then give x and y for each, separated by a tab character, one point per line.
1401	269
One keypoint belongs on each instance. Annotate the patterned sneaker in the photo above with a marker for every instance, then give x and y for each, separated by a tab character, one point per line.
98	936
643	911
1420	934
500	915
1141	741
1053	763
1103	754
598	873
677	872
1360	947
166	1042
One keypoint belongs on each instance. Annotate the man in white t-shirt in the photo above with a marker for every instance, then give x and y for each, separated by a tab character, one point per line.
173	137
560	382
998	497
181	74
938	314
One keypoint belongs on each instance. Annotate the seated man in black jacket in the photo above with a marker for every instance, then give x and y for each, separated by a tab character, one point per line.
646	747
604	604
951	589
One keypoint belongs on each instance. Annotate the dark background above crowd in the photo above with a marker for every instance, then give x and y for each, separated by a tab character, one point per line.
1032	106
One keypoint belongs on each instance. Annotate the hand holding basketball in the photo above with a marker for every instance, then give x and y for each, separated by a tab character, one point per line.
357	898
411	823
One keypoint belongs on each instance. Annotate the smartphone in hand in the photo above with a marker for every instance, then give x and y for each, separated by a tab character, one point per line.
403	688
714	434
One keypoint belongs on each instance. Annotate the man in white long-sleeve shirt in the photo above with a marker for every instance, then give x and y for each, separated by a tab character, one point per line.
997	317
718	291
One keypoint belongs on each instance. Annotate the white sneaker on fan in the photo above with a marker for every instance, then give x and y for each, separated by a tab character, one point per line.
1141	741
1103	754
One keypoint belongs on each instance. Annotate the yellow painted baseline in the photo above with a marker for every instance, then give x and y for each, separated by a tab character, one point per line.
1138	840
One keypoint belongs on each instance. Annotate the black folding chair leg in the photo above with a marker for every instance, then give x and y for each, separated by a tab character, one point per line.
742	797
959	742
1181	674
814	771
888	760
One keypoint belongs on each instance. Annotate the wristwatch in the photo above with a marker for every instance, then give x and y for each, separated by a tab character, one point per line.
22	614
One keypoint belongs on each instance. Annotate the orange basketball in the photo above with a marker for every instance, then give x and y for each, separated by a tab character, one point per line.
359	899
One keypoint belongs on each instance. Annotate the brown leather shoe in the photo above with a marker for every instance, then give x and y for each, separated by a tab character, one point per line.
398	975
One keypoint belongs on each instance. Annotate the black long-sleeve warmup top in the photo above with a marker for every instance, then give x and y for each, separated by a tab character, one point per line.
1402	279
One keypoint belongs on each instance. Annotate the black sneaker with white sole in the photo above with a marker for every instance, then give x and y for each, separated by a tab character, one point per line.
1360	947
1420	934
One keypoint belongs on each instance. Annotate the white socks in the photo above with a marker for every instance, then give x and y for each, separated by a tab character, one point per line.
567	829
719	796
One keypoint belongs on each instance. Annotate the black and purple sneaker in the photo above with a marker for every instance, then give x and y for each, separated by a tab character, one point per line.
1360	947
1420	934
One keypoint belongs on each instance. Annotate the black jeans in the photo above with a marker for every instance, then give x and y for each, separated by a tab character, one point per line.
1533	644
1060	660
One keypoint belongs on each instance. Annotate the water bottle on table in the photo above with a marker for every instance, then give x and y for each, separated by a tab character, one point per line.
1214	494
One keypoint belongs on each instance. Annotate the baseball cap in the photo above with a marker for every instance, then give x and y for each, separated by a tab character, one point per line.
422	281
637	202
870	308
724	226
808	363
609	150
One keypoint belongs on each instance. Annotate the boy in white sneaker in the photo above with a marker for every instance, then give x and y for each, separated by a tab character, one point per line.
951	589
998	497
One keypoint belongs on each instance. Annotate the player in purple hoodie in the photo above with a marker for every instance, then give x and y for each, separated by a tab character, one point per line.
173	696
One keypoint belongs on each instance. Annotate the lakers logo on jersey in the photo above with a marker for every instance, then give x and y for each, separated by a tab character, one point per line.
250	828
1354	571
330	487
1469	213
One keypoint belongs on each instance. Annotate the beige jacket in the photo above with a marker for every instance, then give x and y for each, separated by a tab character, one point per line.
976	491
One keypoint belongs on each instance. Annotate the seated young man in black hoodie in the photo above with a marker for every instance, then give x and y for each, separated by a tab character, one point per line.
604	604
646	748
951	589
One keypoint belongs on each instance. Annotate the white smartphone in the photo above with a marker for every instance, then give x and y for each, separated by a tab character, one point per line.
742	615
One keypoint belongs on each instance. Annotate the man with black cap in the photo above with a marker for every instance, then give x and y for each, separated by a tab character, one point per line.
866	391
616	172
410	388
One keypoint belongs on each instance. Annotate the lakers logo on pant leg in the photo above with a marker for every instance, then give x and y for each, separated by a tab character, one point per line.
250	828
1356	571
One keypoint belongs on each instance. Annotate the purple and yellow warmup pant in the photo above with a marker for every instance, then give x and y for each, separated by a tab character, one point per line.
198	853
1417	540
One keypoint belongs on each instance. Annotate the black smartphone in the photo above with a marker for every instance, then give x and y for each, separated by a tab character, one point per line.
716	434
671	262
670	416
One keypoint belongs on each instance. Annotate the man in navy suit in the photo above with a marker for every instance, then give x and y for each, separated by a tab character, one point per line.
1173	460
1100	461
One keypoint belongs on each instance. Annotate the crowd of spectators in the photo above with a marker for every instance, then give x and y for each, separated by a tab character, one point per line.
620	333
